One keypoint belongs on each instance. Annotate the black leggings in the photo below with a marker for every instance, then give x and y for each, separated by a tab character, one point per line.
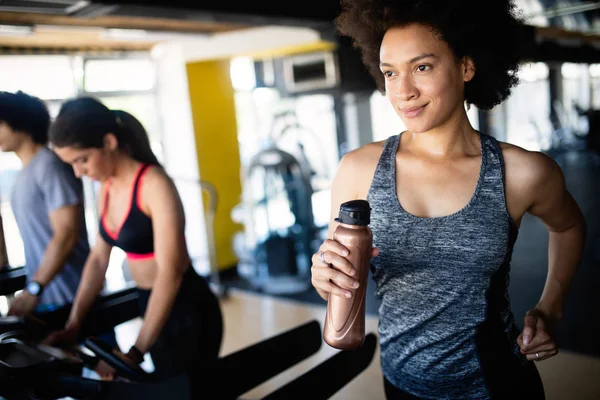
393	393
193	331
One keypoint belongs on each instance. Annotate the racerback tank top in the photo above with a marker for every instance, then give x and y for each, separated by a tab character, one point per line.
443	283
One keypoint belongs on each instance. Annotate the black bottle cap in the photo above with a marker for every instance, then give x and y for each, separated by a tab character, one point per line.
354	212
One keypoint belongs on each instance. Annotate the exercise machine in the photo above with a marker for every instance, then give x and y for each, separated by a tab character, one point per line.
12	279
110	310
29	370
280	234
210	210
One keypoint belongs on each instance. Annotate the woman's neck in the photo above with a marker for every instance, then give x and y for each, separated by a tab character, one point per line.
124	169
454	138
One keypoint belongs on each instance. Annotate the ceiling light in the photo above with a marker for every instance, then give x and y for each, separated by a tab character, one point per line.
16	30
148	35
131	34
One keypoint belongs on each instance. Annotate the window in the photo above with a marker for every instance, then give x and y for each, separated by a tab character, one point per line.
9	168
595	84
144	107
576	90
528	122
44	76
118	75
120	83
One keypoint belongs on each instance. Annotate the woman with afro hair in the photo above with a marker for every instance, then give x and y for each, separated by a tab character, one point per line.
447	203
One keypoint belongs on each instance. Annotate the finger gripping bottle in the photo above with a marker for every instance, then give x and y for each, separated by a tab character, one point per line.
345	319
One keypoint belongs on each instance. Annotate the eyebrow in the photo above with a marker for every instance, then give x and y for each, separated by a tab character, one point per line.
78	159
412	60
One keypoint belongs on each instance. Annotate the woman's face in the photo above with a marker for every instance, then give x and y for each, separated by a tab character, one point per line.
95	163
423	80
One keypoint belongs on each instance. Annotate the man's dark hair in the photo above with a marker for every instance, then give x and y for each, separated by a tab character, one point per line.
25	114
488	31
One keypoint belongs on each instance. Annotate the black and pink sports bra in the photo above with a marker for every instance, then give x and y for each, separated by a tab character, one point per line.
134	235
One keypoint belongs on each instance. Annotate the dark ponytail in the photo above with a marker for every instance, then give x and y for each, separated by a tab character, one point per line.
83	122
138	143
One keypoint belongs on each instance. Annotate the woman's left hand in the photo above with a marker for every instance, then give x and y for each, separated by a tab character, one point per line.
106	372
538	339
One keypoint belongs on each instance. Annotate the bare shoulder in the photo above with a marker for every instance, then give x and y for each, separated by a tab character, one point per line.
157	189
357	167
532	178
363	157
156	178
525	167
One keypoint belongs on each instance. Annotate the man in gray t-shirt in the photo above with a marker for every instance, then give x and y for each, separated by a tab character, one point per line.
47	202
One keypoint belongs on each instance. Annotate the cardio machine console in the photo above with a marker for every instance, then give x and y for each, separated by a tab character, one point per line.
19	357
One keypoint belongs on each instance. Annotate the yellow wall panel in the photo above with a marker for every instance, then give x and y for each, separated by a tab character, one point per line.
215	131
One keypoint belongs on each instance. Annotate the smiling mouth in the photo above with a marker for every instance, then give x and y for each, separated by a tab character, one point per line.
413	112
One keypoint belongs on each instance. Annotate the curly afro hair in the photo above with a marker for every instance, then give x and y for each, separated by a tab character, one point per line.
488	31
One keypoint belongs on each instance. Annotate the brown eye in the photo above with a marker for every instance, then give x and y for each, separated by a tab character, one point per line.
423	68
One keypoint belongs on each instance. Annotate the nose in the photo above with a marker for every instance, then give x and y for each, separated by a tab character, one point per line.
78	171
406	89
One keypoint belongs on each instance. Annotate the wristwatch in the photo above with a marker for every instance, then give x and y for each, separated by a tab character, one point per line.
139	356
34	288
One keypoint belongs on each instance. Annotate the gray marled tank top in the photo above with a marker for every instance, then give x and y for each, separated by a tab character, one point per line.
442	283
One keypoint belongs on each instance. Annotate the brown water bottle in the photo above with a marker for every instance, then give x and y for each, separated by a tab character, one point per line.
345	319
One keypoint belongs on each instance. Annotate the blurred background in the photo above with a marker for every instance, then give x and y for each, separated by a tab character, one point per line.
250	107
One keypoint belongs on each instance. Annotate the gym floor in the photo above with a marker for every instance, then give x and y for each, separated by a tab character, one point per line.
251	317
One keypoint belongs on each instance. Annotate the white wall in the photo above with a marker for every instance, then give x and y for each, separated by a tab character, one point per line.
180	157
